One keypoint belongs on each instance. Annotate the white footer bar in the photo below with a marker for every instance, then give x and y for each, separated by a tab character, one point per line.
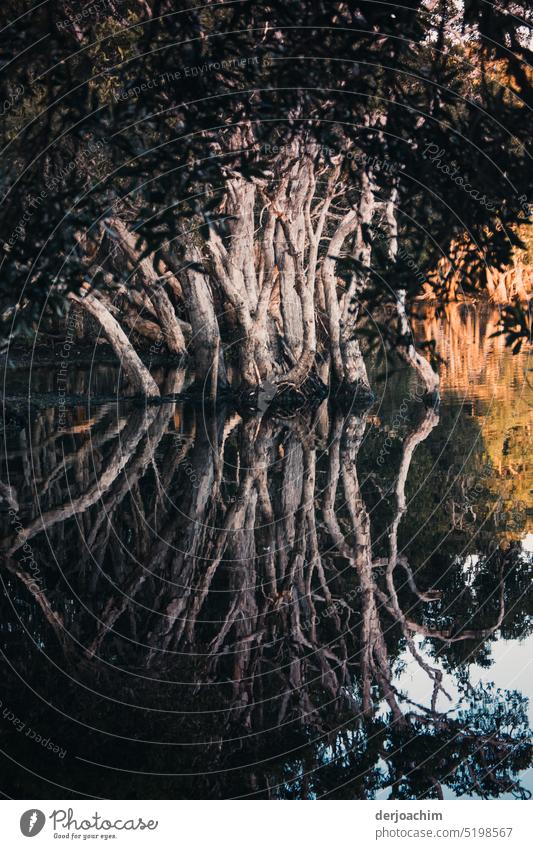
219	824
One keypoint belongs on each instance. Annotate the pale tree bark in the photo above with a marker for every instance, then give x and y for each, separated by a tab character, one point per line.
354	366
306	291
260	282
227	265
344	229
154	287
301	633
205	332
136	372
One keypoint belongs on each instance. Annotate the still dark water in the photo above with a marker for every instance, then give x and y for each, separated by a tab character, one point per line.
328	605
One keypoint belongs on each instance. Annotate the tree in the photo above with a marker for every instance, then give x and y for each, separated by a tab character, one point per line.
254	206
245	596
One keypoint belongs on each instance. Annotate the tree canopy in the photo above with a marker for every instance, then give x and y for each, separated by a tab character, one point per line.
148	112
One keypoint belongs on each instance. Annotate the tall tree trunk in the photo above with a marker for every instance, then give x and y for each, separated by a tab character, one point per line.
354	366
205	342
154	287
136	372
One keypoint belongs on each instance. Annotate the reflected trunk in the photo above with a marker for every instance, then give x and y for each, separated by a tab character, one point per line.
240	559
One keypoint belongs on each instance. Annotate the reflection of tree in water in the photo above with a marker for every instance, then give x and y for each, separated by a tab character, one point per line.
243	593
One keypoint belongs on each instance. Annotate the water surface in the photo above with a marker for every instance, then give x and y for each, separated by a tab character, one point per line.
335	604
